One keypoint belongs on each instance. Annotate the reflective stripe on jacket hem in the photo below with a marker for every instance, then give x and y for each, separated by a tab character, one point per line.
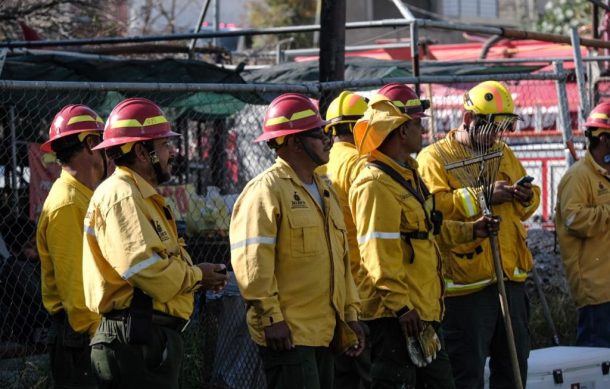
453	288
378	235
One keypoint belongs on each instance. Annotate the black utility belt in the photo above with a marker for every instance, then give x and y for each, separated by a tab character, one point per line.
158	318
421	235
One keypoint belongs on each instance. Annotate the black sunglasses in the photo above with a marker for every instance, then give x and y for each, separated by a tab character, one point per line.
316	133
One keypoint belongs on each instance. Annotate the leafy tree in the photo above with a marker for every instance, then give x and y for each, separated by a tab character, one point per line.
278	13
60	19
561	15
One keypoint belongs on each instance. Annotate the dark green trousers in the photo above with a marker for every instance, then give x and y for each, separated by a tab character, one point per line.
474	330
69	355
300	368
391	366
118	364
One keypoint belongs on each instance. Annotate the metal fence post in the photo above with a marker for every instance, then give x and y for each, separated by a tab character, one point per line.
15	191
563	116
583	110
415	54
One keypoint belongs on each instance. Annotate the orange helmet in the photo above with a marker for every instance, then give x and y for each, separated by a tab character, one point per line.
72	119
405	99
598	120
134	120
290	113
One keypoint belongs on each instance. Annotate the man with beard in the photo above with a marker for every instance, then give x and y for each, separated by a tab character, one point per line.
137	273
473	326
289	253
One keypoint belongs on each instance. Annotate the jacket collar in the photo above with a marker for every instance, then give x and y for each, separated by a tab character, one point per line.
144	186
406	171
589	159
73	181
286	171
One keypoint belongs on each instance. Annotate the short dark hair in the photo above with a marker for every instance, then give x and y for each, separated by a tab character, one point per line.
121	159
67	147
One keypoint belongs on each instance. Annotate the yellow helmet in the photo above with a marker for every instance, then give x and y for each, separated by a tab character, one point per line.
344	111
489	97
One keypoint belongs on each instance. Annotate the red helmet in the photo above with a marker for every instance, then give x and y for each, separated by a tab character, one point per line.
134	120
599	117
72	119
405	99
288	114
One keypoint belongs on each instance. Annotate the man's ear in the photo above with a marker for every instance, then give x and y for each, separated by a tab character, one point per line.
468	118
90	143
141	152
295	141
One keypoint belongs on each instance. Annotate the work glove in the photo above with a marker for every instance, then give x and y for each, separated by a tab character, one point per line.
422	348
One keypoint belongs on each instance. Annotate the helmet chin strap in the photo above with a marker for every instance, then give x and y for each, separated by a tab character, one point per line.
154	159
317	160
105	160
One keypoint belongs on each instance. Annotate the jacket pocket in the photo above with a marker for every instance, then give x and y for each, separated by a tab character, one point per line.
338	237
469	263
521	251
305	234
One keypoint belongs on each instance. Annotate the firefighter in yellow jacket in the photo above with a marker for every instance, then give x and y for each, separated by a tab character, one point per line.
74	132
343	165
402	291
473	325
289	253
582	222
136	271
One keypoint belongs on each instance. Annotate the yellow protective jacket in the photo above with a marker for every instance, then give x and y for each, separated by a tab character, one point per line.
469	267
131	241
341	170
290	257
398	249
582	221
59	238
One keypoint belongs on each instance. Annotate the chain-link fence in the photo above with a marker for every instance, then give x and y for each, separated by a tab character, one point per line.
217	157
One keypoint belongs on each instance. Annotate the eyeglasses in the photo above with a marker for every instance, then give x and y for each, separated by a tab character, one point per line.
316	133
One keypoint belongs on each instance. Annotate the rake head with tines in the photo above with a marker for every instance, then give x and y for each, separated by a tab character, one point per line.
474	158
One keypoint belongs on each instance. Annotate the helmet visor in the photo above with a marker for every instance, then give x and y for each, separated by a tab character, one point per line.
499	122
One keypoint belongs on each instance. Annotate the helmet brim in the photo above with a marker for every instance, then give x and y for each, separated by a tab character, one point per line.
108	143
266	136
46	146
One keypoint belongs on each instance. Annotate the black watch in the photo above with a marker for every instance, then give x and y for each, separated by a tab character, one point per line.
402	311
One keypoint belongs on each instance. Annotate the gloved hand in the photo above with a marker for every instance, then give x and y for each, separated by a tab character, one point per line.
422	348
429	342
415	352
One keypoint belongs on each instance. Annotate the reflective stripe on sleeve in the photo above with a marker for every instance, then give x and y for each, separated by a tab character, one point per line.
378	235
468	202
141	266
255	240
